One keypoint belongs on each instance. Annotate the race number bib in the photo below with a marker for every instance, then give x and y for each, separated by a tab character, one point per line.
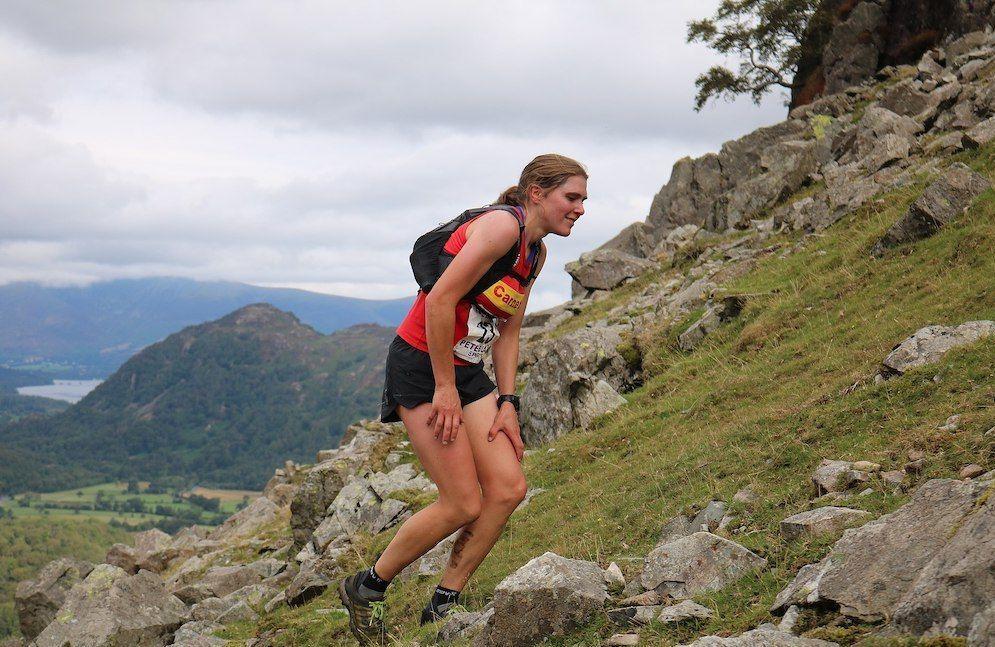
482	331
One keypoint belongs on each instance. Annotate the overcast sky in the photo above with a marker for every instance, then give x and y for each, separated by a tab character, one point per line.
308	144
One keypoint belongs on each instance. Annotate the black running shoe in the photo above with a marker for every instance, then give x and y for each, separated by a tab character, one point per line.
366	617
430	614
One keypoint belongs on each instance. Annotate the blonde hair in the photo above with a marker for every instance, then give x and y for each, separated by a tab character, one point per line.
545	171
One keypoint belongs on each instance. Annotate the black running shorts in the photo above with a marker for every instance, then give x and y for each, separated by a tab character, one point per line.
410	380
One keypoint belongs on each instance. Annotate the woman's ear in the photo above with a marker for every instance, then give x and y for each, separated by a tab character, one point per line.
535	193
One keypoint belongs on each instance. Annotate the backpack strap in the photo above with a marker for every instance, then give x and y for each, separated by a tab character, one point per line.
504	265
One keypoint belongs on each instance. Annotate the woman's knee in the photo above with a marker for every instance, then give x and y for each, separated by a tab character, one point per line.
464	509
508	494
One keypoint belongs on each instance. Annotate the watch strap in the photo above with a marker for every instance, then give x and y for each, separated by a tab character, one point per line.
513	399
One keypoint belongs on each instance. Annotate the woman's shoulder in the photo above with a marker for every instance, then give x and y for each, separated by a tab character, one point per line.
498	223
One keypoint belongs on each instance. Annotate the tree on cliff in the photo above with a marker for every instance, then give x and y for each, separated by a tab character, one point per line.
768	36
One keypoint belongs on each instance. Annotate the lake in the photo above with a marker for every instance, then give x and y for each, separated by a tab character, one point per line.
68	390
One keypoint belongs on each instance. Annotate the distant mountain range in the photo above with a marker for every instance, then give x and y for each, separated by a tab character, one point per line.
217	404
87	332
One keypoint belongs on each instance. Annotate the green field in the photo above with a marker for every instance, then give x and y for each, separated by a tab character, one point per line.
114	501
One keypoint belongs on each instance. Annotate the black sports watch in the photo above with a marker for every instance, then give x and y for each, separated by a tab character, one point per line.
513	399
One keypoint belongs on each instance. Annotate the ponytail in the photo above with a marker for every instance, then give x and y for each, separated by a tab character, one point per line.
510	196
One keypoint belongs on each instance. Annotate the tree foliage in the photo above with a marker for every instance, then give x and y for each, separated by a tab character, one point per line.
766	35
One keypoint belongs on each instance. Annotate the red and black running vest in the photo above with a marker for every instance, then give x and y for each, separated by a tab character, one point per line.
477	317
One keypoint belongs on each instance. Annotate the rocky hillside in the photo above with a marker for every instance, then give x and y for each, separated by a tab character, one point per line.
764	419
218	404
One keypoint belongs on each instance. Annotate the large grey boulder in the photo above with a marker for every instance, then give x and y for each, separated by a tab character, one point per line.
564	390
357	507
708	518
675	242
434	561
980	135
591	398
400	479
908	99
548	596
247	521
958	583
153	550
763	636
314	577
320	487
219	581
111	608
785	167
928	345
822	521
928	566
606	269
944	200
157	552
123	556
38	600
147	543
696	563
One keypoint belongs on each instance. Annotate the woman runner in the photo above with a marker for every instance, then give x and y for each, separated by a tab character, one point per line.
465	435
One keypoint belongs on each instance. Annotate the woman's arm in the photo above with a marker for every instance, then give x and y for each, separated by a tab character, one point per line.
489	238
506	368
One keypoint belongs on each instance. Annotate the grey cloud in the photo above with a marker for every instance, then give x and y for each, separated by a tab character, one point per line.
48	188
74	27
597	70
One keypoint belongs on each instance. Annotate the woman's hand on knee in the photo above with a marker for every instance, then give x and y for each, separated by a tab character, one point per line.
506	422
447	414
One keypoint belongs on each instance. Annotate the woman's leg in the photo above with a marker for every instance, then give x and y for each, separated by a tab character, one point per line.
452	469
503	485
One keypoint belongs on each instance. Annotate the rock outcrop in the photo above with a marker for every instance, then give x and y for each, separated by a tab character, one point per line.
866	36
944	200
605	269
111	607
38	600
696	563
926	568
928	345
821	521
582	374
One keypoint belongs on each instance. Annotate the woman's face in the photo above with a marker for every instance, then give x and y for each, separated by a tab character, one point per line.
563	205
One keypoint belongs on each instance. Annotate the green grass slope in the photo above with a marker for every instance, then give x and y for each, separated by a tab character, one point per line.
759	404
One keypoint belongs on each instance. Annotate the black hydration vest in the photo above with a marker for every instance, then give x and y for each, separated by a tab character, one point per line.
429	258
